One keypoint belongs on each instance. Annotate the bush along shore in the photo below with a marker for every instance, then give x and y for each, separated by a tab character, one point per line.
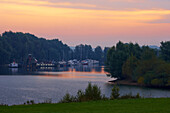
93	93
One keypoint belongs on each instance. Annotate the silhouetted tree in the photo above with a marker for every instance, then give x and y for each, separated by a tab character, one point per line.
98	53
165	50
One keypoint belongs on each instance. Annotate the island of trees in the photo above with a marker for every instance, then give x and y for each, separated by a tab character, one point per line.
141	65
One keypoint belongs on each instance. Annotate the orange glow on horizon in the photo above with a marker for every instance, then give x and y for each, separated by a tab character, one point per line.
67	76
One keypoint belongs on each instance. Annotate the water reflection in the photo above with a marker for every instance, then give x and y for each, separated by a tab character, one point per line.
67	76
81	68
75	72
86	69
22	71
14	70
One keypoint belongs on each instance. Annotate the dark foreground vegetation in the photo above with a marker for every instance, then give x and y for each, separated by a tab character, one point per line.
93	93
17	46
150	105
141	65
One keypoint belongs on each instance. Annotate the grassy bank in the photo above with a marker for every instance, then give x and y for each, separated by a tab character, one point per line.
158	105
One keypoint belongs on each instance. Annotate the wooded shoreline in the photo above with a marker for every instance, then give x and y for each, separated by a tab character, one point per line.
131	83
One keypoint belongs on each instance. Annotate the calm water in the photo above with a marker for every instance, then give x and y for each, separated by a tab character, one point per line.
17	85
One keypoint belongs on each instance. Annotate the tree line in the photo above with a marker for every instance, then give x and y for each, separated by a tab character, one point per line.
82	52
146	66
17	45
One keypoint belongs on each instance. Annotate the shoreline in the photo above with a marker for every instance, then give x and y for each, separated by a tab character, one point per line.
131	83
124	82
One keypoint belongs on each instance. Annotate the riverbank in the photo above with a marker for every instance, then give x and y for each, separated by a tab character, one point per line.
131	83
124	82
149	105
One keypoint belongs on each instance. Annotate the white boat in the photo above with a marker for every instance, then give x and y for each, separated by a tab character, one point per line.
73	62
13	65
62	63
84	62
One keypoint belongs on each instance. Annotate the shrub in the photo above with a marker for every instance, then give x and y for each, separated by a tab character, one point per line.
141	80
115	92
138	95
47	101
80	96
126	96
96	93
104	97
89	92
32	102
92	92
157	82
129	96
68	98
28	102
3	104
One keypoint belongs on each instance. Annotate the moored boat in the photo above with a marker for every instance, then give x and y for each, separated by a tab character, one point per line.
13	65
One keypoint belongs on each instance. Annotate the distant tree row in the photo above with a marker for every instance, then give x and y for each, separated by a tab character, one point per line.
150	67
17	46
82	52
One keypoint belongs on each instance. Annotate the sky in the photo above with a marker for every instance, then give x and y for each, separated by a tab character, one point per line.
94	22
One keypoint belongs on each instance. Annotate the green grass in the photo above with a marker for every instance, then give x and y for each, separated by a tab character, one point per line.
158	105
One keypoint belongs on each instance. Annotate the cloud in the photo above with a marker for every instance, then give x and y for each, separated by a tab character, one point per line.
48	3
164	19
97	4
131	1
45	8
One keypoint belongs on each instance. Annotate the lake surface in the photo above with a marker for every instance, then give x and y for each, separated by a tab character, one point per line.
17	85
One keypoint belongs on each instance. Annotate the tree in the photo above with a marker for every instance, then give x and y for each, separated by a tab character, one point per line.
129	67
18	45
83	52
165	50
106	49
115	92
151	70
98	53
140	64
118	55
92	92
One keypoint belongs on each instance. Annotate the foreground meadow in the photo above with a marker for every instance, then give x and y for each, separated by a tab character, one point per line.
149	105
